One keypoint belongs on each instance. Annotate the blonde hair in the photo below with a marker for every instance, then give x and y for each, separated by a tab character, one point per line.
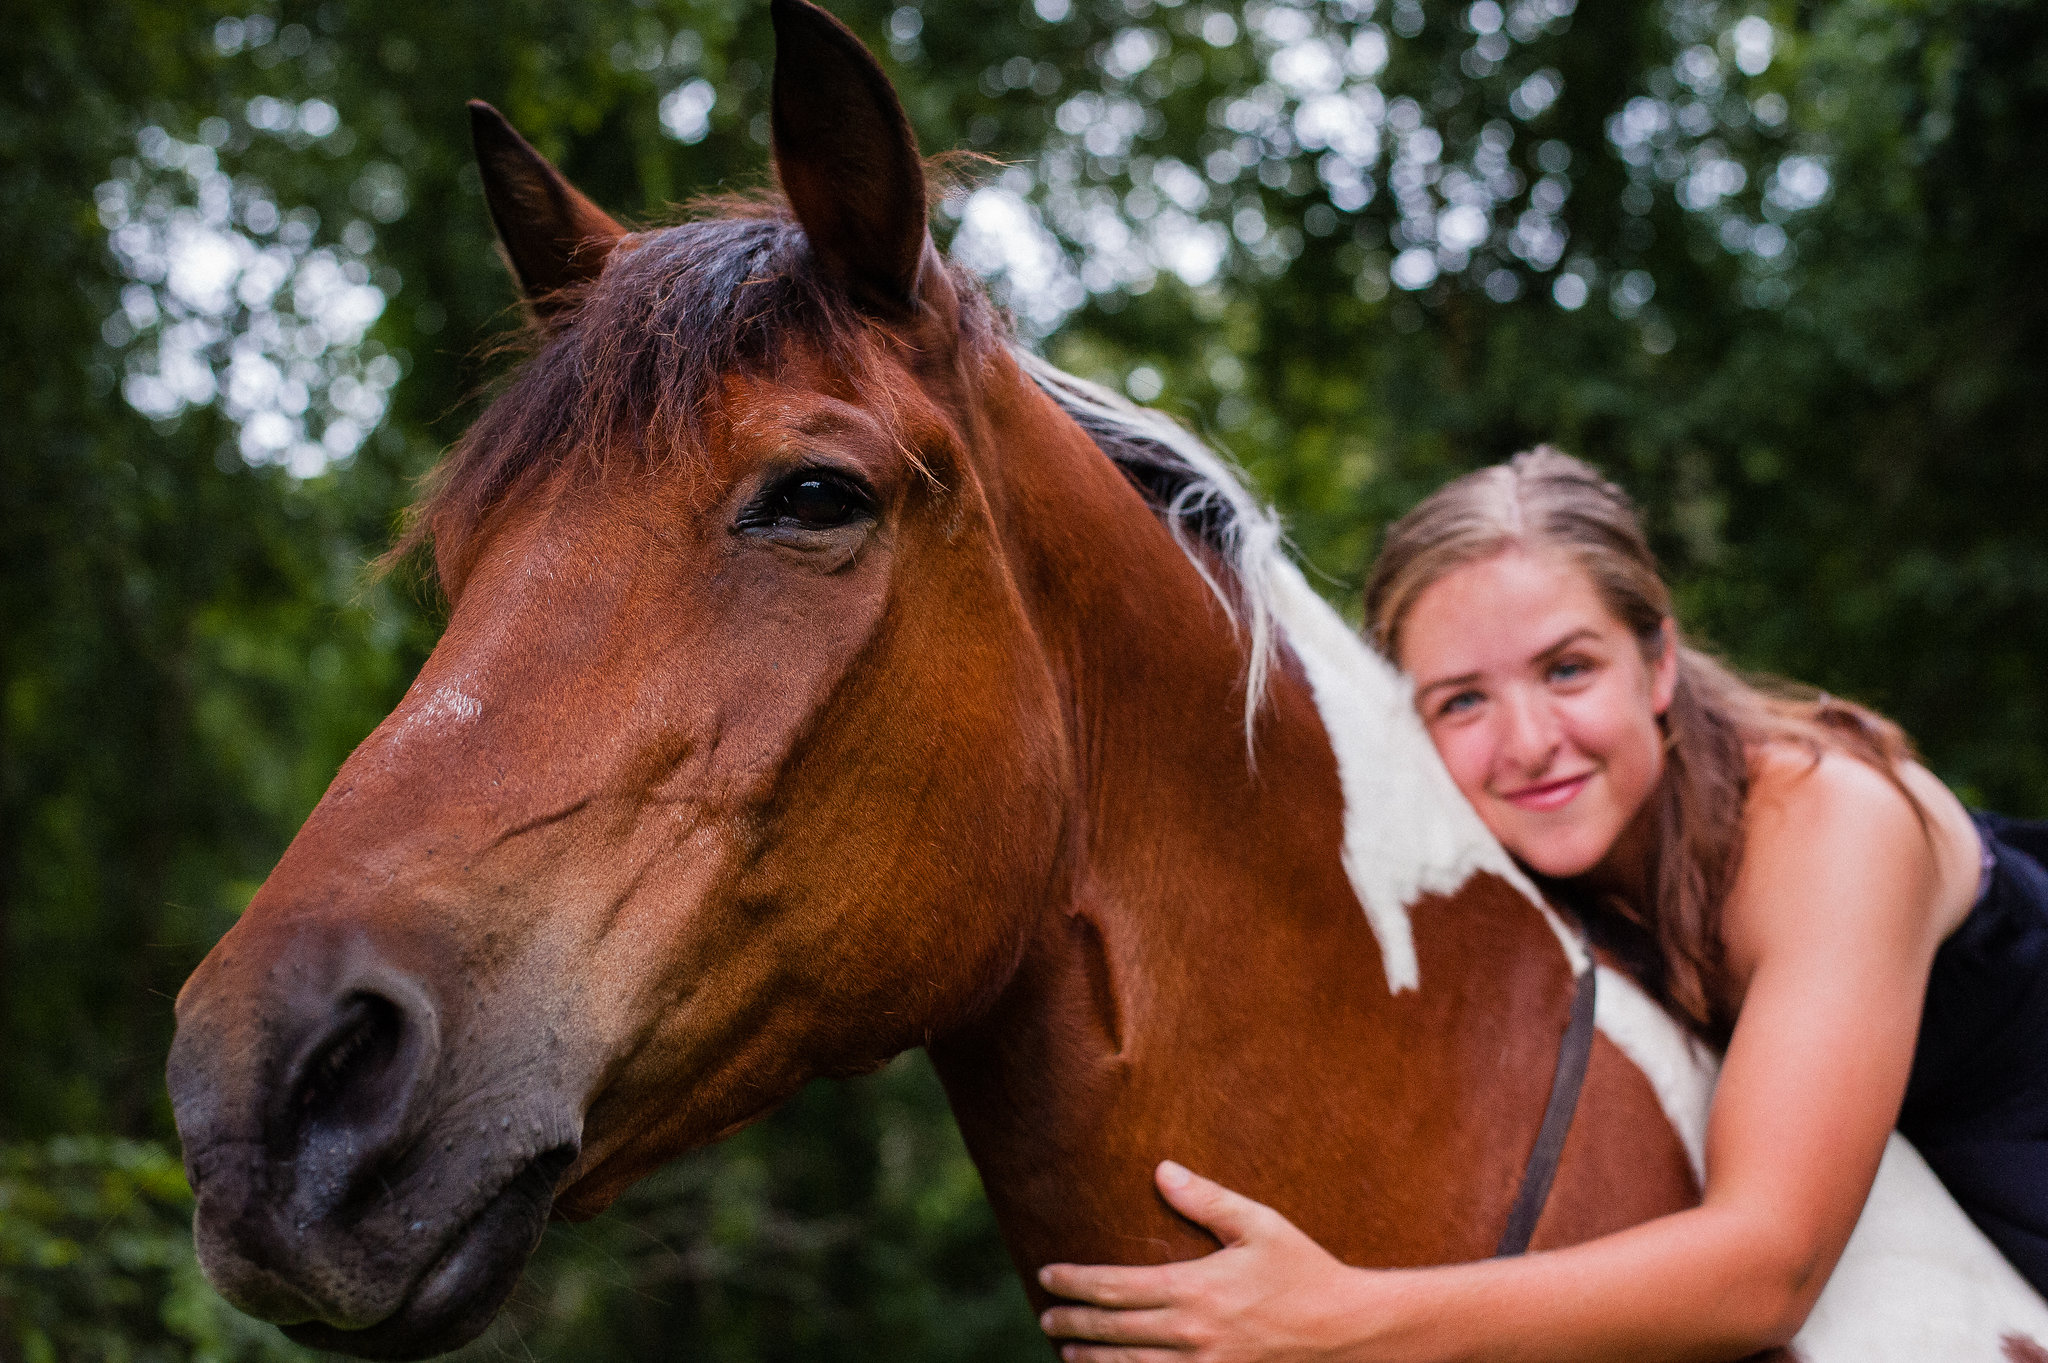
1718	720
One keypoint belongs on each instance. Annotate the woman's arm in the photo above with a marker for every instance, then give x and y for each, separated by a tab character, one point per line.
1830	931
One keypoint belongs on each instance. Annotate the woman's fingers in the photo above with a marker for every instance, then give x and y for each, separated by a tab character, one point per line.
1233	1217
1164	1329
1118	1353
1246	1298
1115	1285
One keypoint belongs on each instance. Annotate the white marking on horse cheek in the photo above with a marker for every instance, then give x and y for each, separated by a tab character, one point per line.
447	708
462	708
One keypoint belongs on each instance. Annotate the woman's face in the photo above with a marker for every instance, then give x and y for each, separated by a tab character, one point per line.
1541	703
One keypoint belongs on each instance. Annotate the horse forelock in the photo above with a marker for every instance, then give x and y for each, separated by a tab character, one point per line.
631	371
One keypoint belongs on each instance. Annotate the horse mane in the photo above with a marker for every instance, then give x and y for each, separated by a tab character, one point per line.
631	372
1200	496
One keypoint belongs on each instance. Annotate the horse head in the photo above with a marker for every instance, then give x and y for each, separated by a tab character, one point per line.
739	761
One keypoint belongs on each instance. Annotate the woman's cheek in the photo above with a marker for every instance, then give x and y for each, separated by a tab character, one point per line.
1467	754
1602	719
1616	728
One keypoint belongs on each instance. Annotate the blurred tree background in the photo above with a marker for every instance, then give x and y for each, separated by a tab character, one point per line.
1780	268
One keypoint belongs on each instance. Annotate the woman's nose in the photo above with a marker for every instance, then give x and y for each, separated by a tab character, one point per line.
1529	732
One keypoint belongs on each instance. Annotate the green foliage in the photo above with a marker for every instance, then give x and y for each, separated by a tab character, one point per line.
1788	283
96	1262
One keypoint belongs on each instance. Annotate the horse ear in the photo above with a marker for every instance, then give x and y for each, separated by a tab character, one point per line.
554	238
846	157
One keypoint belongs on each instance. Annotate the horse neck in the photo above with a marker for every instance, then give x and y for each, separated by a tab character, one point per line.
1208	988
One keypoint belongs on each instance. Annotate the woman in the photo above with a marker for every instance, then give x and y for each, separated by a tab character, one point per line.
1775	866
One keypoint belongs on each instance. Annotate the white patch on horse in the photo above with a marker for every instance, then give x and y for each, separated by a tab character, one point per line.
1408	831
1918	1280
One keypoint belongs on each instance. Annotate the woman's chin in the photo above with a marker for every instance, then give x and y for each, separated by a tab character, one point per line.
1556	858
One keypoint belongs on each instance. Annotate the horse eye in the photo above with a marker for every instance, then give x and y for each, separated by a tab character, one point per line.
810	499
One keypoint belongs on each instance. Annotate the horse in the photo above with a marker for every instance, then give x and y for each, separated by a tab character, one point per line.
827	676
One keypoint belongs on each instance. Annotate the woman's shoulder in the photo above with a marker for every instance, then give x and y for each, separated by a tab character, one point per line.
1829	835
1809	786
1816	809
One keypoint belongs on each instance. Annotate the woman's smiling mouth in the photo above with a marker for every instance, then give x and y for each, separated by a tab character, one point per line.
1547	795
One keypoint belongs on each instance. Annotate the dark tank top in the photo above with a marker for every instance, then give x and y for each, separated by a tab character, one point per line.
1977	1098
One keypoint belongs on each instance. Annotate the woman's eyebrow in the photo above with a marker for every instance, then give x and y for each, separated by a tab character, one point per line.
1562	644
1462	679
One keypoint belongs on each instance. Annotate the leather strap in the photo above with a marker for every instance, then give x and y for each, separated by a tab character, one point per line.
1572	1058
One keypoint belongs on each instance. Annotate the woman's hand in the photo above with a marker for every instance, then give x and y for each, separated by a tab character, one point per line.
1269	1294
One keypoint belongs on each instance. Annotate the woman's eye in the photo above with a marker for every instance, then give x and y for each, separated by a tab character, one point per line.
1459	704
1569	669
810	499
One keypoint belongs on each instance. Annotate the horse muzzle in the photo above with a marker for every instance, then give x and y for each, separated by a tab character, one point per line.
364	1179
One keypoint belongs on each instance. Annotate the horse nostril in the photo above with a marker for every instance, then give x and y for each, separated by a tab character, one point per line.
355	1078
